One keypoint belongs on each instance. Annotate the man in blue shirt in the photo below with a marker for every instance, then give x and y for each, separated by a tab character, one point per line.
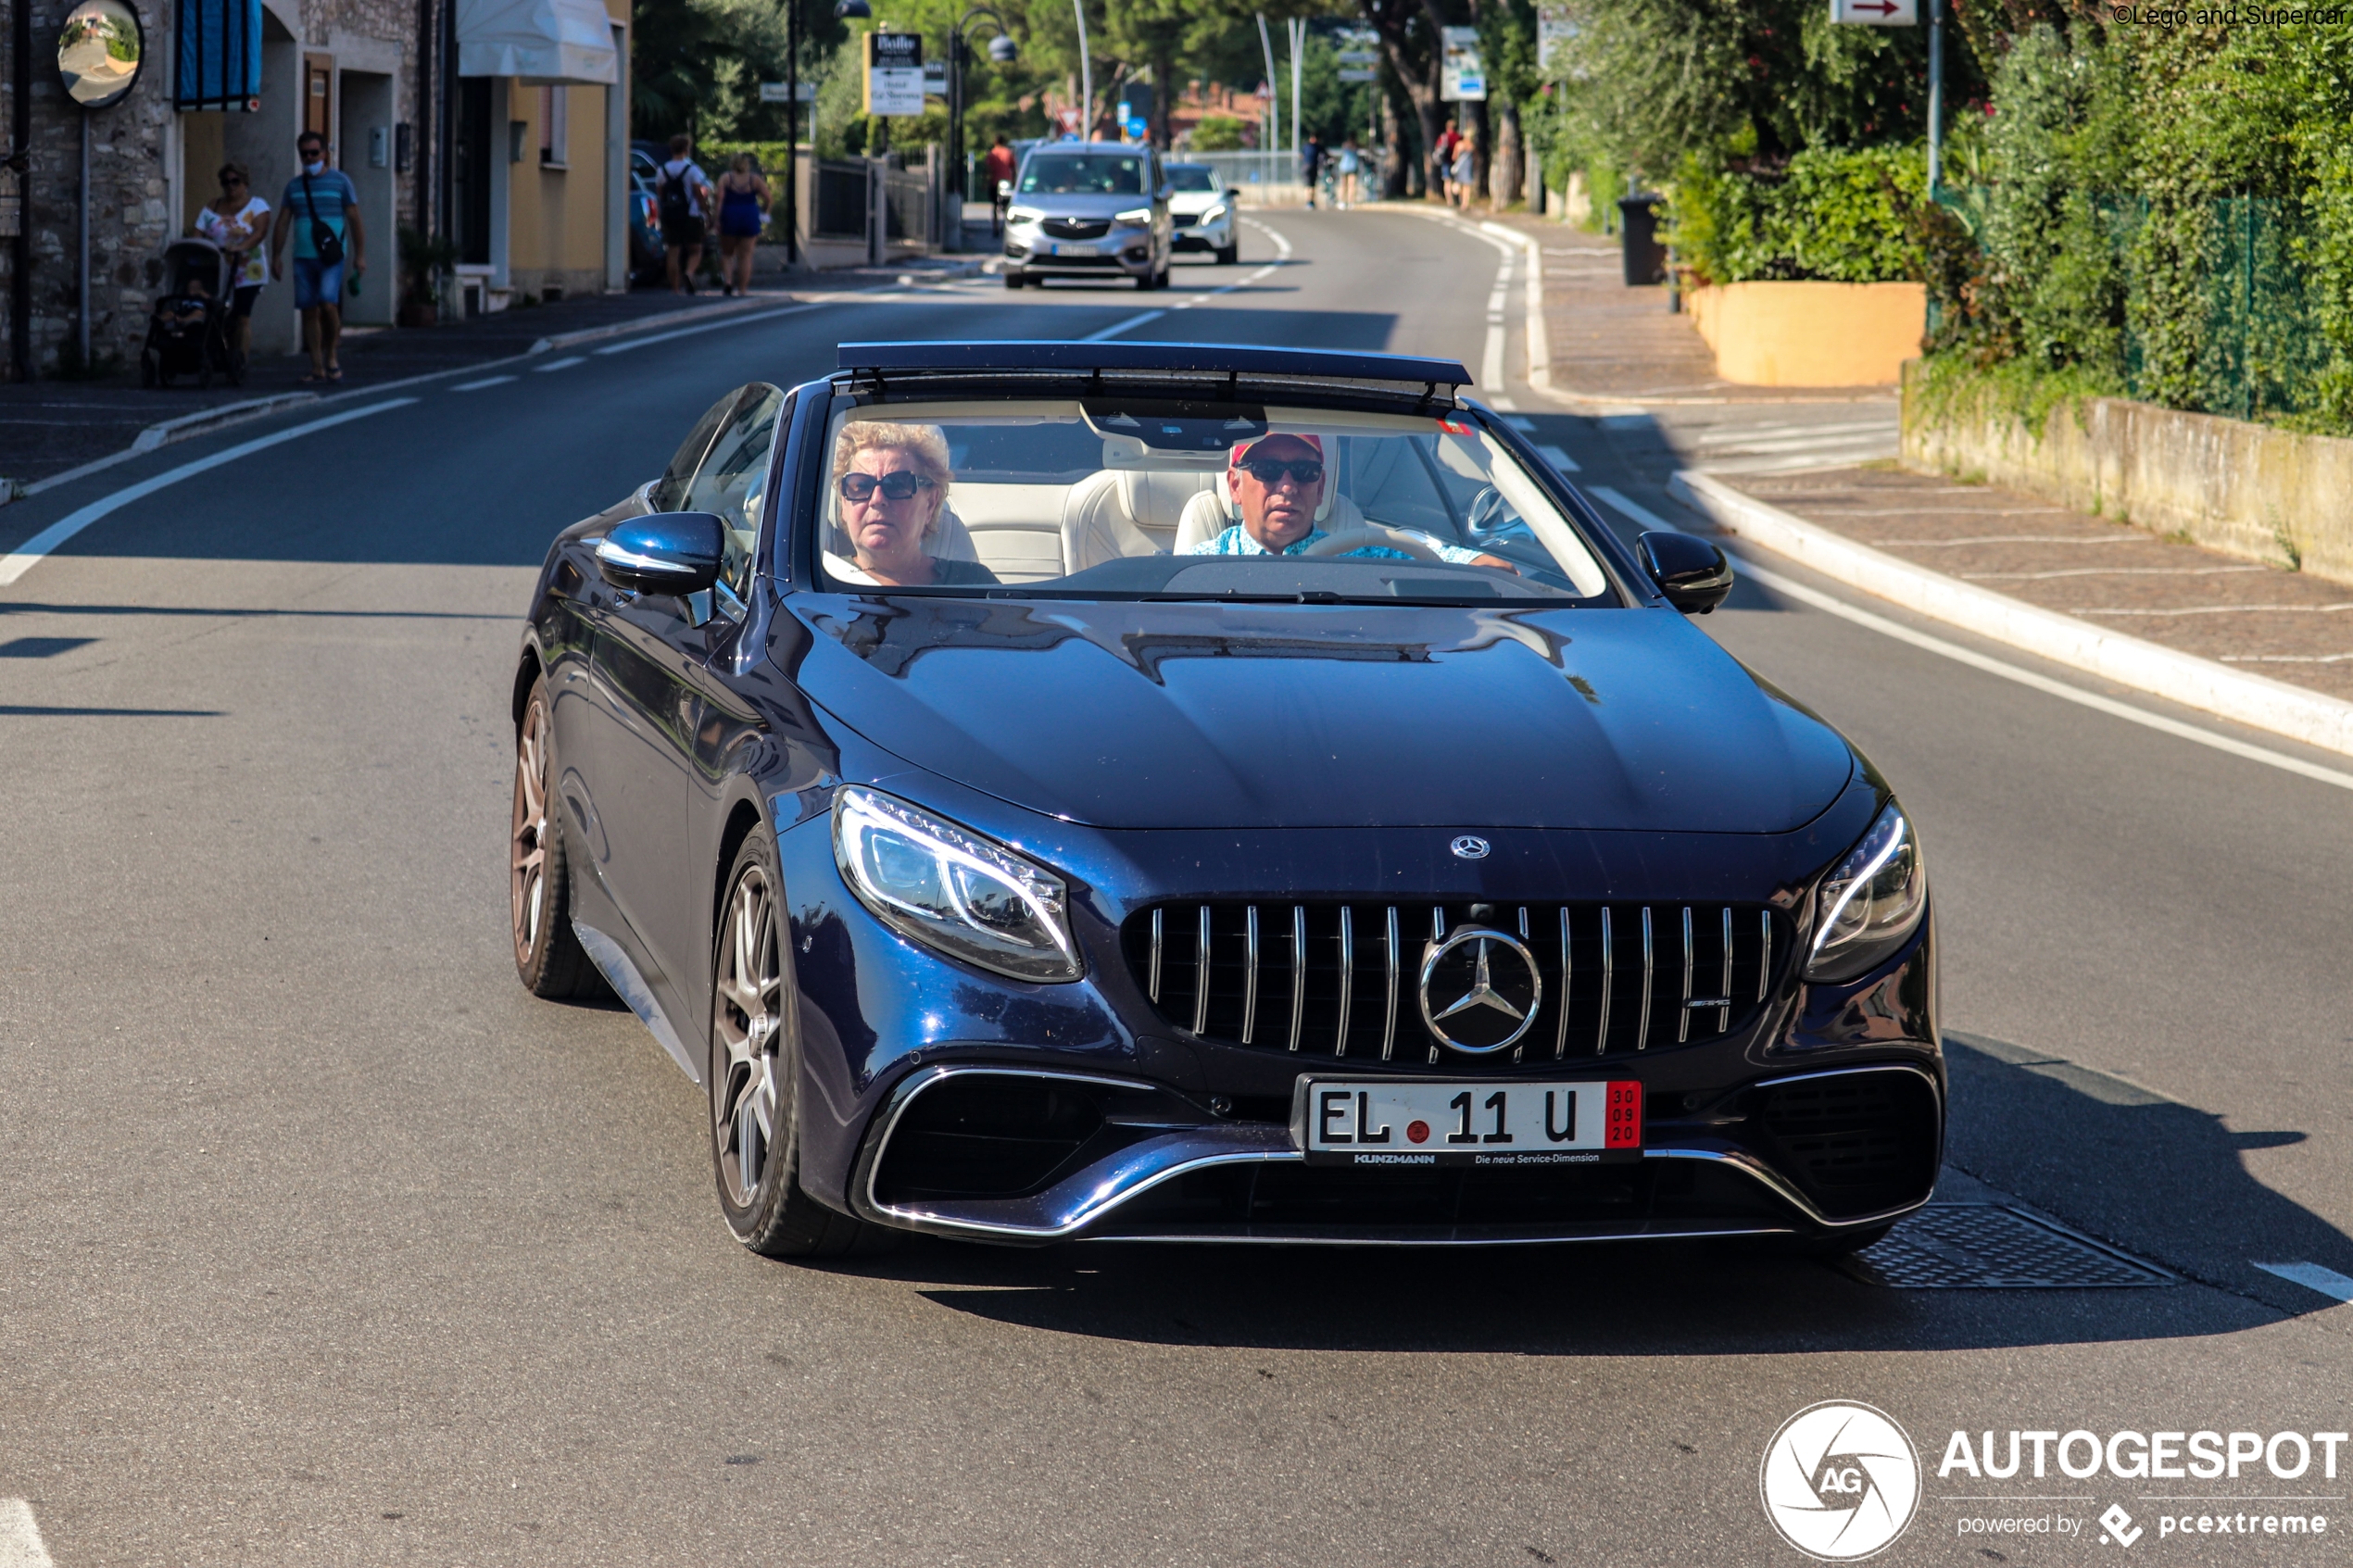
321	204
1278	483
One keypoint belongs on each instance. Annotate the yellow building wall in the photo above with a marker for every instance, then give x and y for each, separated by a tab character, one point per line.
557	213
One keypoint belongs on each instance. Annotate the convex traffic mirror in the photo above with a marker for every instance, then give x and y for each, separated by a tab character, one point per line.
99	51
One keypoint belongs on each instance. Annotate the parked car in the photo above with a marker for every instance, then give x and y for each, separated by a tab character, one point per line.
1201	211
1025	851
647	260
1089	209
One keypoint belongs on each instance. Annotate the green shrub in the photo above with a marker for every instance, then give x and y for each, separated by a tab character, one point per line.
1217	133
1839	215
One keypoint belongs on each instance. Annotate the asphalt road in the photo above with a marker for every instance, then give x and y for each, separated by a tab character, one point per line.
324	1243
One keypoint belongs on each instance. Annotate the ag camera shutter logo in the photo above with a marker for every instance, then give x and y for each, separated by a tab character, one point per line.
1841	1481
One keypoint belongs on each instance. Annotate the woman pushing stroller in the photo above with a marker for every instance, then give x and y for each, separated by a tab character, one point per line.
238	221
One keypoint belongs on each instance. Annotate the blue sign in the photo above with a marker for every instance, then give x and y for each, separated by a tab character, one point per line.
219	64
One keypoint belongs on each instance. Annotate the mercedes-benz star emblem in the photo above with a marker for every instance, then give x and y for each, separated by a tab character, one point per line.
1470	848
1493	987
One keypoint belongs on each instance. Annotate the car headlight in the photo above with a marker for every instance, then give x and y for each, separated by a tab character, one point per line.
1870	903
1023	215
1213	214
1134	215
941	884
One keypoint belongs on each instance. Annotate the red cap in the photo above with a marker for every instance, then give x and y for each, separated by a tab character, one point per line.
1241	449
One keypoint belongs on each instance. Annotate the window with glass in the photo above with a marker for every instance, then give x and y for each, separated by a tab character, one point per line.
1130	497
1084	174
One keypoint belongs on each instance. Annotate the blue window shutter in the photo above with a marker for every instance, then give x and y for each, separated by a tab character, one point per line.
219	54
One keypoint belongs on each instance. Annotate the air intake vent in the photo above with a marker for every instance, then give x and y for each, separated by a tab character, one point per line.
1343	980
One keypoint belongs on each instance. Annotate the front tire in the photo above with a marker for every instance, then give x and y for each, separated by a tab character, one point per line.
1015	280
1229	255
548	957
754	1062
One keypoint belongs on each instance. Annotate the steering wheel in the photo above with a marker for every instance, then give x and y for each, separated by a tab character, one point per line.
1349	539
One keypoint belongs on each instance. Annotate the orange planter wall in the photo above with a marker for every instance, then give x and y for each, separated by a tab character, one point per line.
1811	334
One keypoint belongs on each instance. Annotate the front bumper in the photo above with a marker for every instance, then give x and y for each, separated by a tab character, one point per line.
1117	255
1159	1167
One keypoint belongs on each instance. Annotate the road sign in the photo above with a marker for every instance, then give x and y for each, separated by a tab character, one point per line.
1360	76
1876	13
935	77
775	93
894	73
1462	75
1357	57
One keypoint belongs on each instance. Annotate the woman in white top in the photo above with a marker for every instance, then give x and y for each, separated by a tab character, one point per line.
238	221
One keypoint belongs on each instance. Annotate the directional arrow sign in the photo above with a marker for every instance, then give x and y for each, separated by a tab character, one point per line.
1876	13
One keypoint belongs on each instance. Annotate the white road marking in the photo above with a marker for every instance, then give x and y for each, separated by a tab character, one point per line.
636	343
1118	327
1790	588
486	380
1490	363
1558	458
28	554
21	1543
1518	421
564	364
2311	1276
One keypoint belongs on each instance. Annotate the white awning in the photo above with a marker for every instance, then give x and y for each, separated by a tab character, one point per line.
545	40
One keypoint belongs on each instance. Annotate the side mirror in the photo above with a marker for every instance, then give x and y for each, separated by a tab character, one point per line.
665	552
1233	193
1691	572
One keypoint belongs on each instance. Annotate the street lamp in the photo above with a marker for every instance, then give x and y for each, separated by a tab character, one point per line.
844	10
1002	49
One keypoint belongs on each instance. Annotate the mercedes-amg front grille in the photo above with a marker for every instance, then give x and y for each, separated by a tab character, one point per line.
1345	980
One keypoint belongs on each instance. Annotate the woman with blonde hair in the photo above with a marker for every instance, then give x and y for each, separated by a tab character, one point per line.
891	482
743	213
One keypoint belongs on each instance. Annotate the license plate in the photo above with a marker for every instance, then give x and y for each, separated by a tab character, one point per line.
1070	250
1424	1122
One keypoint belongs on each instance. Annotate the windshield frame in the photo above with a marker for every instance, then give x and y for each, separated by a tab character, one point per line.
800	569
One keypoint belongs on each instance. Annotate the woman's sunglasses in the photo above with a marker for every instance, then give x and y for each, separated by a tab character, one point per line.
232	183
895	486
1270	470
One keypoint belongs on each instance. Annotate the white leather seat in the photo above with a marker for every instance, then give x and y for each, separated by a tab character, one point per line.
1127	512
1212	511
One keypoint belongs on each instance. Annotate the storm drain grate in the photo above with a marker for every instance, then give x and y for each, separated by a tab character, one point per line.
1988	1247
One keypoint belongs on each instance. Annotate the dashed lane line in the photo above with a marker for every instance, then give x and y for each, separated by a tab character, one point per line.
1558	457
486	380
30	553
566	363
1791	588
629	345
2312	1276
21	1543
1118	327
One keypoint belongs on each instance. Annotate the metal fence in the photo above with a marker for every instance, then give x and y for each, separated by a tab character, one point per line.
841	199
907	207
1269	178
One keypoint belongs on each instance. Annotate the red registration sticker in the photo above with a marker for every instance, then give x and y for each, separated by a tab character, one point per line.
1453	427
1623	1116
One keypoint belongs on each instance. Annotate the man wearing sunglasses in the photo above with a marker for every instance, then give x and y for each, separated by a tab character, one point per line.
1277	486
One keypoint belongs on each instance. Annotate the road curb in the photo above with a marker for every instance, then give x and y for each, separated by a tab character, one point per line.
2202	683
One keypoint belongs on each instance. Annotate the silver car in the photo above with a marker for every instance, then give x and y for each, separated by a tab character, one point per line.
1089	209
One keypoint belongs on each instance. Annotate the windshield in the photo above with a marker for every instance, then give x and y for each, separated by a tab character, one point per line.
1192	178
1084	174
1123	497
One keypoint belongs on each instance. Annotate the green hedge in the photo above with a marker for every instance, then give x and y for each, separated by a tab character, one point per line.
1843	215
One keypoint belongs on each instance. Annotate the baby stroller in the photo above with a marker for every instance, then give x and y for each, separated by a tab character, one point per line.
188	330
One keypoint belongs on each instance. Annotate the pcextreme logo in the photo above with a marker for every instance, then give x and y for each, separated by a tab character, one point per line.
1841	1481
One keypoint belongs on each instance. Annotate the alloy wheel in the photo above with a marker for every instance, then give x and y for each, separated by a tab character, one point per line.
745	1016
528	857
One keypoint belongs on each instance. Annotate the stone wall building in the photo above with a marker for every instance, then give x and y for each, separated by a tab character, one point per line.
404	92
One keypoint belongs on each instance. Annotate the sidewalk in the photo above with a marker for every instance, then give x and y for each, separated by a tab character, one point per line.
49	427
1611	341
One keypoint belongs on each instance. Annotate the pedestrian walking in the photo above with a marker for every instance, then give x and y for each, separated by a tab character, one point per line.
1349	162
319	214
1466	168
682	191
743	213
997	179
1311	165
1443	176
238	221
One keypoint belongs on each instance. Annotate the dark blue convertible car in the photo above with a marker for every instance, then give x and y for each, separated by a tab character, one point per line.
1058	790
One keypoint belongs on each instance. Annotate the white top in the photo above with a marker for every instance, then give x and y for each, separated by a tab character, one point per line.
236	234
687	170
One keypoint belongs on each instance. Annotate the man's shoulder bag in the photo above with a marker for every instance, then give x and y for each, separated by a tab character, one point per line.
325	241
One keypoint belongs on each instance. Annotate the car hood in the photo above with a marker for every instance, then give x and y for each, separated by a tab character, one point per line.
1125	715
1194	201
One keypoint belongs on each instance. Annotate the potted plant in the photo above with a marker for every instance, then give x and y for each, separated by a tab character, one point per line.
424	263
